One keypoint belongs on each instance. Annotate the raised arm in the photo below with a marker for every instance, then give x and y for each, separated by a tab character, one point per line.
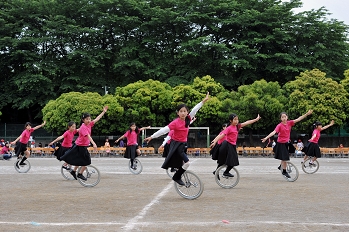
101	114
158	133
271	134
199	105
143	128
303	116
15	141
250	121
38	126
327	126
218	137
56	140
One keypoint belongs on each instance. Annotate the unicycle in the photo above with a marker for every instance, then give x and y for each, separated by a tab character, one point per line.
137	166
22	168
66	173
292	170
193	187
170	173
310	168
226	181
92	175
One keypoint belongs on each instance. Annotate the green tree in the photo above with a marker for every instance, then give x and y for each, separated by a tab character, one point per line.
145	103
71	106
313	90
264	98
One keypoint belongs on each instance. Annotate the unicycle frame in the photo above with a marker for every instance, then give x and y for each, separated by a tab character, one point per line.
290	169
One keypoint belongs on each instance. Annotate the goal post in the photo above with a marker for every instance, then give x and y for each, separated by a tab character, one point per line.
145	134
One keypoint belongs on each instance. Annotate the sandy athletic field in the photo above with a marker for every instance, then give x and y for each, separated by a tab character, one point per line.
41	200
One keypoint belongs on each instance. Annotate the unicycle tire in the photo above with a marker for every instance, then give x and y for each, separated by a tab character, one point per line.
92	174
22	168
292	170
310	169
225	181
193	187
66	173
137	166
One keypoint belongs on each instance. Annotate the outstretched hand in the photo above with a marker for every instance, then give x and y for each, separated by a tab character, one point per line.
147	139
105	109
258	117
332	122
207	97
309	112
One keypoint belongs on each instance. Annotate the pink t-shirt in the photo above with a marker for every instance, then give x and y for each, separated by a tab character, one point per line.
222	139
284	131
231	133
316	139
84	130
131	137
170	134
25	136
68	138
4	150
180	132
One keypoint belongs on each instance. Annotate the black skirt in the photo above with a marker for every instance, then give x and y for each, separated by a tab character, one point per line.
214	152
77	156
312	149
20	148
60	152
228	155
130	152
166	150
176	155
281	151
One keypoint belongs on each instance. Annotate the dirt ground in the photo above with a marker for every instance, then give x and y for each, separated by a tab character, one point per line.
41	200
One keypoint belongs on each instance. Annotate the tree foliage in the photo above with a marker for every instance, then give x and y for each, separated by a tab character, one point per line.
52	47
313	90
71	106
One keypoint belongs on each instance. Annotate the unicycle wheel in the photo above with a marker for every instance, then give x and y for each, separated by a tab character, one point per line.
225	181
193	187
66	173
137	166
292	170
92	174
22	168
310	168
170	173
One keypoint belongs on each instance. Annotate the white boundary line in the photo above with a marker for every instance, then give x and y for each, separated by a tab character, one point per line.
132	222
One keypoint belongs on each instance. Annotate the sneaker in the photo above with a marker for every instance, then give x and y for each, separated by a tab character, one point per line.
66	167
227	174
214	172
303	164
312	164
286	174
73	173
82	177
279	167
22	164
180	182
134	167
17	164
173	170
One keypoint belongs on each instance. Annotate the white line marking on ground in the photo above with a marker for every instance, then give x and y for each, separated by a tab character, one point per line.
132	222
200	224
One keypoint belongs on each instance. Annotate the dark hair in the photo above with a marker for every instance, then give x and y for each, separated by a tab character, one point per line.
283	113
27	124
232	116
70	123
224	124
133	124
316	124
84	115
187	118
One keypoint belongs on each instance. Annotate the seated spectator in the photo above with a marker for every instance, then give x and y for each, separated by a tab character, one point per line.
107	146
300	145
121	143
5	151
